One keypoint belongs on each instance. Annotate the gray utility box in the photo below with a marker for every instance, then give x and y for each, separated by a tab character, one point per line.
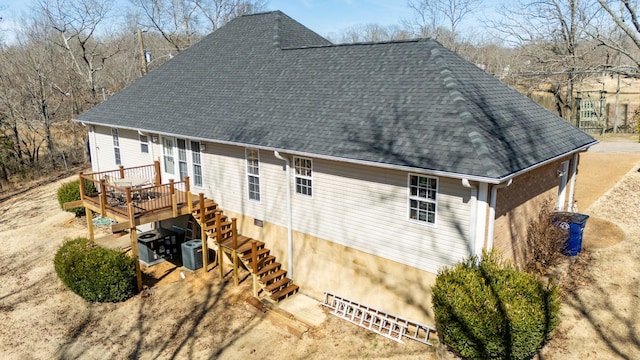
157	245
192	254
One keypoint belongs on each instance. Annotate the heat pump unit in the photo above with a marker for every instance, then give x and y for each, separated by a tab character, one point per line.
157	245
192	254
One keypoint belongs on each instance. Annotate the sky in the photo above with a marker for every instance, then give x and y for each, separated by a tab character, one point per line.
325	17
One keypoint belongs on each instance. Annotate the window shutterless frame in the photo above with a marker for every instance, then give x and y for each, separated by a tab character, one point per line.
116	146
422	199
303	176
253	173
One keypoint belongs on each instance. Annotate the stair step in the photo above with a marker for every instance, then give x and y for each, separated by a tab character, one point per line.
207	203
259	255
211	224
267	279
261	262
277	285
246	244
274	266
284	293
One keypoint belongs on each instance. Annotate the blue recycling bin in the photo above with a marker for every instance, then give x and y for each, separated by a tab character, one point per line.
574	223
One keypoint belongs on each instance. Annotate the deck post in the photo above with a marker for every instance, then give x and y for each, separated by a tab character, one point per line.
121	170
234	243
203	234
172	193
234	254
134	245
103	198
82	190
187	188
89	215
158	176
254	265
219	242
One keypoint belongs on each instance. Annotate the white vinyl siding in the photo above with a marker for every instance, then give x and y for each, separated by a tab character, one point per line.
366	208
358	206
253	174
102	154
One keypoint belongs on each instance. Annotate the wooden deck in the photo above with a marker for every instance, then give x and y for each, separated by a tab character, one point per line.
148	201
136	196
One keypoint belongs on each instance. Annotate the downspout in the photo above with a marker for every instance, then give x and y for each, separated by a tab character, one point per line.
492	211
289	222
478	216
574	170
472	219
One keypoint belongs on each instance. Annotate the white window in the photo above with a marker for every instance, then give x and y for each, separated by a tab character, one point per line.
144	143
423	192
253	173
182	159
167	152
303	167
116	146
197	163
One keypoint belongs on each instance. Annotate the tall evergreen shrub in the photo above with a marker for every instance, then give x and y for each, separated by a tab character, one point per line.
487	309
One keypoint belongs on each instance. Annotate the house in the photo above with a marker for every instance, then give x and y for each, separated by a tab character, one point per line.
364	167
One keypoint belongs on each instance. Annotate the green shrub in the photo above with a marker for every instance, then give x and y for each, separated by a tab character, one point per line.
71	192
95	273
489	310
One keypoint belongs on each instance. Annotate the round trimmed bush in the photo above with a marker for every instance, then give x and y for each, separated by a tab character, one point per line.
95	273
71	192
487	309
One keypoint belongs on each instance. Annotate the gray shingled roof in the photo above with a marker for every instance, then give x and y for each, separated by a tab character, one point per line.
265	80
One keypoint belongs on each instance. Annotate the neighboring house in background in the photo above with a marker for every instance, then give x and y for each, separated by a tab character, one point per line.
404	158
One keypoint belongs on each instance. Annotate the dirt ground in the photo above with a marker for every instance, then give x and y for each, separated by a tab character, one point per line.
202	317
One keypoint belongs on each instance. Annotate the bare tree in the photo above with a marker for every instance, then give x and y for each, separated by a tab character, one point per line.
176	20
219	12
77	22
373	33
623	36
440	19
558	50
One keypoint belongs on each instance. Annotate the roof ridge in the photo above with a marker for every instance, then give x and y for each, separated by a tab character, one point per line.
367	43
481	150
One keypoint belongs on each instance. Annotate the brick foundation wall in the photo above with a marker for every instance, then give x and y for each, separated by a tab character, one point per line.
520	203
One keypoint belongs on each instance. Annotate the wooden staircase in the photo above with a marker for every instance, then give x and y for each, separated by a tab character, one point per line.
266	272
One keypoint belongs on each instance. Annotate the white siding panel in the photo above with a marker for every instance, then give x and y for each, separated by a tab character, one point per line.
357	206
366	208
102	153
225	181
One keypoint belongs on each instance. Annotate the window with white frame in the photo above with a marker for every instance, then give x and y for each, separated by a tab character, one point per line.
144	143
303	168
167	154
183	167
423	192
116	146
196	163
253	173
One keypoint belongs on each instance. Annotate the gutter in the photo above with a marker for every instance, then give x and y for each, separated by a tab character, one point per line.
289	220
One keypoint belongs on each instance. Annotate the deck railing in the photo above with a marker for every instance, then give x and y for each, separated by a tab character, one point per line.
149	172
104	191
